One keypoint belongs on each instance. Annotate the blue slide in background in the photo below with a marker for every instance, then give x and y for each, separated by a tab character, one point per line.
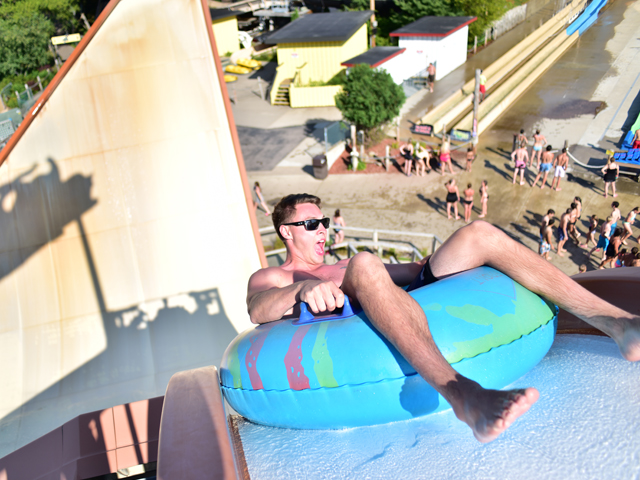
584	21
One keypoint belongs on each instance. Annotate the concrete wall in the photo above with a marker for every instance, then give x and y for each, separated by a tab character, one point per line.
319	61
226	33
126	241
447	53
313	96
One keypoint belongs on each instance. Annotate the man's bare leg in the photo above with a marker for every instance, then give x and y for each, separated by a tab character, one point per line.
461	252
400	319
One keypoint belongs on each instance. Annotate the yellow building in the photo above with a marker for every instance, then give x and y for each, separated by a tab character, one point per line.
225	30
312	48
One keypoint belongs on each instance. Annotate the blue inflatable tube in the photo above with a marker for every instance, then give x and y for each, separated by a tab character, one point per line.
339	373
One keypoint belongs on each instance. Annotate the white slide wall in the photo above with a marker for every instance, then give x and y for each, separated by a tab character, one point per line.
126	241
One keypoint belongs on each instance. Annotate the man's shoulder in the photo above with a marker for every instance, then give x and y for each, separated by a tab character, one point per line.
270	277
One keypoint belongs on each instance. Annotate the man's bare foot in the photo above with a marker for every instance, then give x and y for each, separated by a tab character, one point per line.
521	182
558	189
480	216
458	217
491	412
560	254
449	217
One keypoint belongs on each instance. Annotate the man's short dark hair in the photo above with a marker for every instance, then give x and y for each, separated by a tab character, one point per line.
549	148
574	205
615	204
286	208
551	211
522	130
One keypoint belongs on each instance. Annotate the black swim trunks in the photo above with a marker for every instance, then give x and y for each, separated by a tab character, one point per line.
452	197
425	277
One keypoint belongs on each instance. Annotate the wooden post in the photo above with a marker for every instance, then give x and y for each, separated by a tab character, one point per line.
40	83
486	37
476	106
475	44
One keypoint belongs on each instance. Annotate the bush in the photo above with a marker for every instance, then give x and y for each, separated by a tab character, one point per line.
369	98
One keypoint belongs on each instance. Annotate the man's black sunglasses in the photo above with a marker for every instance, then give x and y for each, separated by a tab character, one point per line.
312	224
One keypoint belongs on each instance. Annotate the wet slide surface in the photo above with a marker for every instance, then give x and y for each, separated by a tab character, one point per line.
583	426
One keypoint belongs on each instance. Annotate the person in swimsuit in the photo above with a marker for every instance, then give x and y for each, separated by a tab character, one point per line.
520	140
338	221
628	222
275	292
538	142
521	156
445	155
610	172
573	218
468	202
545	221
615	214
482	88
471	156
561	162
591	235
406	151
545	167
562	232
453	197
484	198
603	241
546	240
611	252
258	199
431	79
422	162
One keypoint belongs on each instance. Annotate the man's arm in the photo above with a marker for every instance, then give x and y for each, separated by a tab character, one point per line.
513	155
268	301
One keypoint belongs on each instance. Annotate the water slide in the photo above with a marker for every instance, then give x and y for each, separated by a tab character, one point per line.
462	100
588	17
127	232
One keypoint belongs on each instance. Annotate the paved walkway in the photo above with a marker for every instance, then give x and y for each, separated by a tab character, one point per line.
395	202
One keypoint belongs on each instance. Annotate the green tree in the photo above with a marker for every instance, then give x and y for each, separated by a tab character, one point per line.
25	29
369	98
487	11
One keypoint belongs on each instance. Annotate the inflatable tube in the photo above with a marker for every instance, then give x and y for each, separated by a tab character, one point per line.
342	373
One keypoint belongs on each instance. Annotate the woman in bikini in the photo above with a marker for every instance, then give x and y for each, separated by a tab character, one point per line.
406	151
610	171
471	156
445	155
338	221
453	197
628	222
468	202
484	198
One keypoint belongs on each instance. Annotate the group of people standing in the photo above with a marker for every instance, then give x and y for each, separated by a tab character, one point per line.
545	161
420	155
610	242
453	197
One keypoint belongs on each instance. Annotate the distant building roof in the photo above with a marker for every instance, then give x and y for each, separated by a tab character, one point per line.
321	27
433	27
374	57
220	13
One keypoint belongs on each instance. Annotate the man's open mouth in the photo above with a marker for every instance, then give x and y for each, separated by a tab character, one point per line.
320	247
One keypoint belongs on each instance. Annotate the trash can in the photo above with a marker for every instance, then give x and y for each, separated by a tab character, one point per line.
320	169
